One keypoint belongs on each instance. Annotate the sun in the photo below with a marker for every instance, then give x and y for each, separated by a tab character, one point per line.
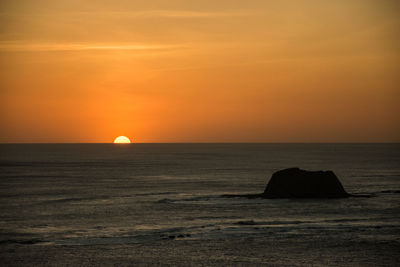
122	140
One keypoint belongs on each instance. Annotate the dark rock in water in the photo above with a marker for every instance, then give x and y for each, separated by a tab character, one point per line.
297	183
246	222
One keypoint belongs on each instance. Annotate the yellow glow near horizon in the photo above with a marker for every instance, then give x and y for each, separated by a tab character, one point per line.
199	71
122	140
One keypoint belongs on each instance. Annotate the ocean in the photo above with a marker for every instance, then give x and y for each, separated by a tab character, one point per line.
161	204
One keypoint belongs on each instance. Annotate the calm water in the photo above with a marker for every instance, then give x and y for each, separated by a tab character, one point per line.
146	204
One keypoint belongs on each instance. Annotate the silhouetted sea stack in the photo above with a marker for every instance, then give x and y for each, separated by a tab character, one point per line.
297	183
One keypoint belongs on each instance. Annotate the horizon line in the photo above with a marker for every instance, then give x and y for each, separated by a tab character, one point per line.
66	143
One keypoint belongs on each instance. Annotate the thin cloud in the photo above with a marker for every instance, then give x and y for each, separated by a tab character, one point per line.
184	14
42	47
178	14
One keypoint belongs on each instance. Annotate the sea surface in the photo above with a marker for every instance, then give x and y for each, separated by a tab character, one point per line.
161	204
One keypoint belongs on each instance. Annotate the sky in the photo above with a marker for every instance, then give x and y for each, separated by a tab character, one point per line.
199	71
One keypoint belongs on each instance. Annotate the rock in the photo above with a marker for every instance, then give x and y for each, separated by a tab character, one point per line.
251	222
297	183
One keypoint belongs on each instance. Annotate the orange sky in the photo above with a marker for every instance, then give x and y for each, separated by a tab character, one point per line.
199	71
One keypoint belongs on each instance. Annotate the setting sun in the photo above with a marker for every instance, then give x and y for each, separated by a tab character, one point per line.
237	115
199	71
122	140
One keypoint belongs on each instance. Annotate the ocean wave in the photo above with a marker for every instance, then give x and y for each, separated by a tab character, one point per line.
155	193
190	199
21	241
390	191
75	199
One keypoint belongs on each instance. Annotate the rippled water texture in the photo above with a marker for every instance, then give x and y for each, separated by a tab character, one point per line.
151	204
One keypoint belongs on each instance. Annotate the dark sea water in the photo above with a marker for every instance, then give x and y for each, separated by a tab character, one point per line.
161	204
